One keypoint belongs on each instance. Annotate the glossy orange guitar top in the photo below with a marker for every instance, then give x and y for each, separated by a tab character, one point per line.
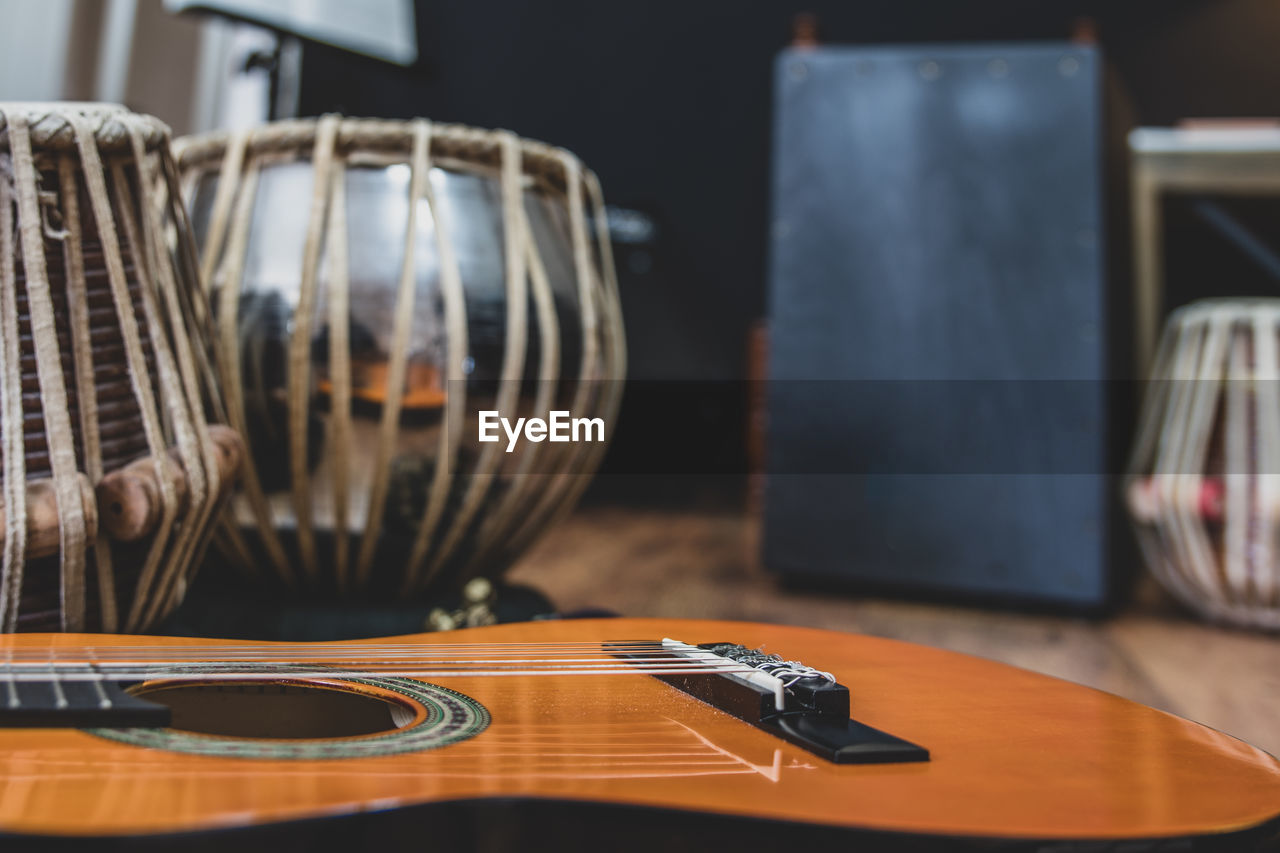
1014	755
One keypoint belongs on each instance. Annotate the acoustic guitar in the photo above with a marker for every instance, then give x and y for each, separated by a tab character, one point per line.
598	734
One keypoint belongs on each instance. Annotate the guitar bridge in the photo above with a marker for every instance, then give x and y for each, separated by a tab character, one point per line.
802	705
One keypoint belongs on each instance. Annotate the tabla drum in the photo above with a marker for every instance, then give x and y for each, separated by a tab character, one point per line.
377	285
113	475
1204	481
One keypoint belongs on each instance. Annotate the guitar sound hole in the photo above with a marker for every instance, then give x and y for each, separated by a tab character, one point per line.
276	710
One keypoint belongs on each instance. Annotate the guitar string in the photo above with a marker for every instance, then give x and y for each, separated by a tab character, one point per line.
294	650
370	660
150	674
420	652
370	663
175	642
571	663
128	663
355	648
465	659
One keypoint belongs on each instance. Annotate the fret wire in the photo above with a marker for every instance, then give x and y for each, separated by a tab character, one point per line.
104	701
11	685
59	697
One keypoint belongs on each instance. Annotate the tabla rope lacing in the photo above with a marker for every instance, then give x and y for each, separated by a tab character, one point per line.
513	352
1206	561
14	464
140	381
70	141
389	424
223	200
515	500
340	369
51	128
299	378
177	380
457	346
194	300
558	498
147	595
191	312
1238	561
612	370
1262	567
139	377
53	394
49	208
231	276
616	367
205	485
86	392
1188	539
450	143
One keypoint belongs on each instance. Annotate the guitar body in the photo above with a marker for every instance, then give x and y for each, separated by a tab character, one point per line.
626	759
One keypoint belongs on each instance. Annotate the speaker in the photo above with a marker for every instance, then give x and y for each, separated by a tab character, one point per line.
940	415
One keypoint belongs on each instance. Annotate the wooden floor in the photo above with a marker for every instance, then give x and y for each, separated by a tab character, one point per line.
702	565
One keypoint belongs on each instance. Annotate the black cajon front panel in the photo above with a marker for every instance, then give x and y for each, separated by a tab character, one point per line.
938	321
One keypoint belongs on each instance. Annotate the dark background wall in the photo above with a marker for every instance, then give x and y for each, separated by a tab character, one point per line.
670	103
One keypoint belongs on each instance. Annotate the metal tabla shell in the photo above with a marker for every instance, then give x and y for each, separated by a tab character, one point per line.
501	273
